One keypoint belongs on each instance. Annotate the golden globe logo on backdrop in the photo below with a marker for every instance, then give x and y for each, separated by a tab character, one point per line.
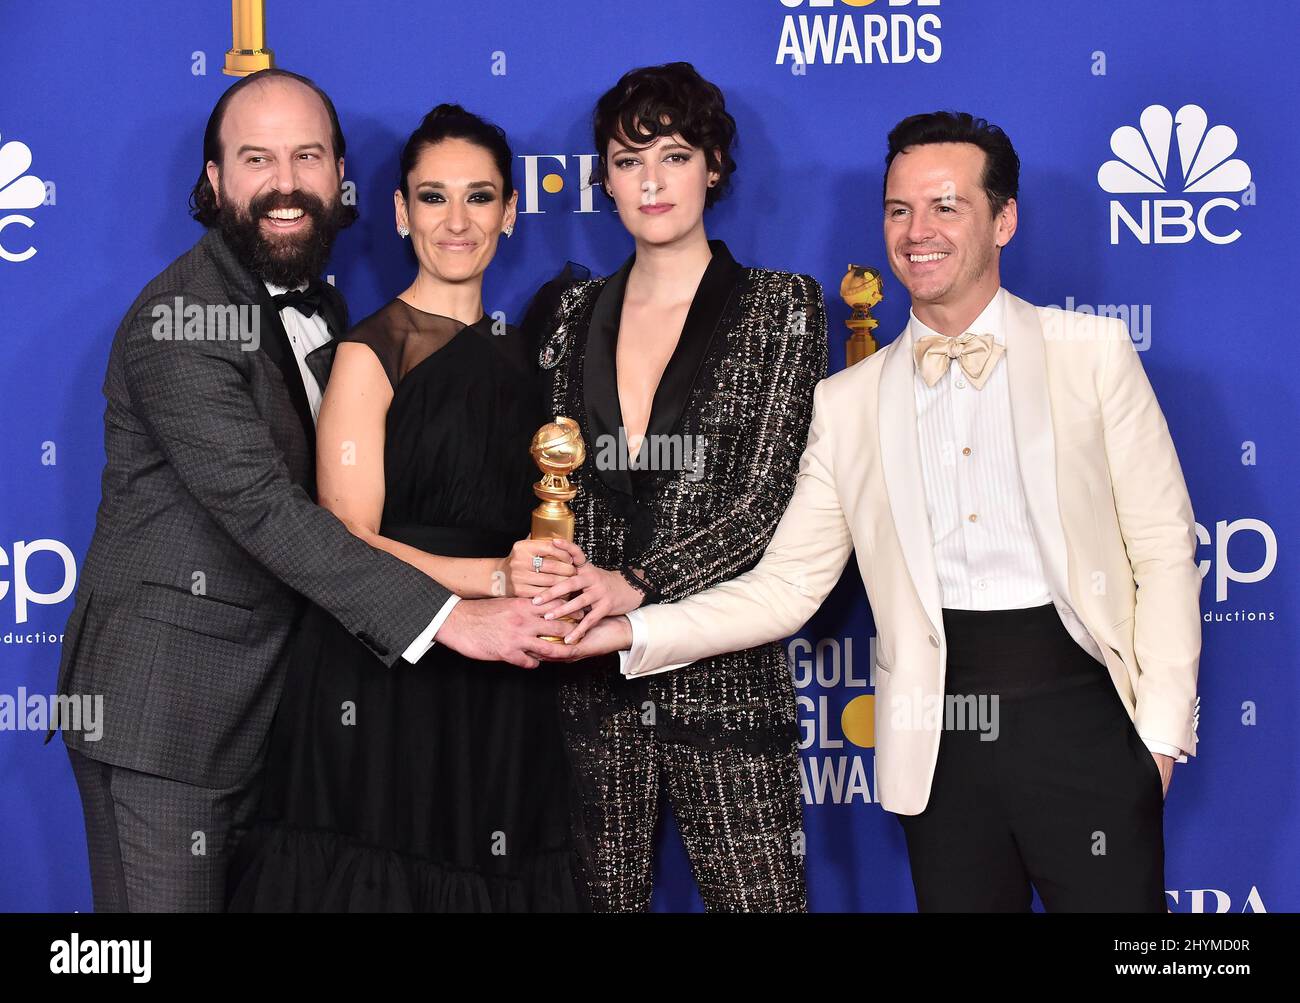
833	32
837	721
1205	166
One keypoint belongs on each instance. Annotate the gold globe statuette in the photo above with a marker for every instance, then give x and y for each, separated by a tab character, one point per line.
248	52
558	450
861	288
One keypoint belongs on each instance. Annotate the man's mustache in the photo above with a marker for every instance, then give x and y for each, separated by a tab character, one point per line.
309	203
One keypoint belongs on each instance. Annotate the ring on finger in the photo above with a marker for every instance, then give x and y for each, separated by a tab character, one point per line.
537	562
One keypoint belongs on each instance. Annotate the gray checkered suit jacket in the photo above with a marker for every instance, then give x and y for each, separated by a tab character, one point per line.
207	539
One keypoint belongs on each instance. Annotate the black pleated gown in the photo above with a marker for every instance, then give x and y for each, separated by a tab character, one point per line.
440	786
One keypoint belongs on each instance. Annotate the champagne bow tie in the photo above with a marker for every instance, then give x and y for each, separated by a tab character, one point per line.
977	353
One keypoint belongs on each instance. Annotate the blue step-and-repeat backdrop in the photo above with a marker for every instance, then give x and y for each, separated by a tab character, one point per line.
1156	137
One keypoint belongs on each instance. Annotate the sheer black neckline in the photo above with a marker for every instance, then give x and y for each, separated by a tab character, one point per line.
404	337
443	316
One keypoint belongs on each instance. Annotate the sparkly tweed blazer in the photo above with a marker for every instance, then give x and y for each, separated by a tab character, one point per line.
715	471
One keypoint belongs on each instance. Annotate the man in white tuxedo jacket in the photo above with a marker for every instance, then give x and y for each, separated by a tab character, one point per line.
1008	483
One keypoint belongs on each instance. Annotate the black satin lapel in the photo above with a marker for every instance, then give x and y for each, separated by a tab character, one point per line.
320	361
272	338
334	310
275	343
711	297
600	380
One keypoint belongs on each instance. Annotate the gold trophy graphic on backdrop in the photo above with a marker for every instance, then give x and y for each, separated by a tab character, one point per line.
861	288
248	52
558	450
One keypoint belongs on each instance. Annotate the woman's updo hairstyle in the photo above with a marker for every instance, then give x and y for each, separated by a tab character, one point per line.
451	121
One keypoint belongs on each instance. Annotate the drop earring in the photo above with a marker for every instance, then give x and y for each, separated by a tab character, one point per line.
508	230
403	232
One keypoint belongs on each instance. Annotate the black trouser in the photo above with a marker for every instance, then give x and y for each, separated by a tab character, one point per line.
1065	795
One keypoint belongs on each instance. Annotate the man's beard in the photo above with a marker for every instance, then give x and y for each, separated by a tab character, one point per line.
286	260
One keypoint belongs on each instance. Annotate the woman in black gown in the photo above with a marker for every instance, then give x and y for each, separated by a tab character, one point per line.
441	785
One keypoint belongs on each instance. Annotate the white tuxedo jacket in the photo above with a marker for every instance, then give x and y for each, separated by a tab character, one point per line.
1106	499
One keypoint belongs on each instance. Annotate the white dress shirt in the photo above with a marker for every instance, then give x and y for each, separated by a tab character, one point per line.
306	334
984	547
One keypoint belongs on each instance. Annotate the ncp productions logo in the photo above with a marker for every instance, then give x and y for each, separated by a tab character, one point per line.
18	190
26	574
1205	165
1256	557
896	31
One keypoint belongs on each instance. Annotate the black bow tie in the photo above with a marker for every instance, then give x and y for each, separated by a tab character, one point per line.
305	301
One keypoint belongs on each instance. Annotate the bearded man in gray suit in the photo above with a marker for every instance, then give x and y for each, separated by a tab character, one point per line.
208	542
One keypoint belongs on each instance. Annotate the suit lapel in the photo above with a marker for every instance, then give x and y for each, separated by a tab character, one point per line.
707	308
320	361
600	376
334	310
1031	419
900	459
273	341
599	380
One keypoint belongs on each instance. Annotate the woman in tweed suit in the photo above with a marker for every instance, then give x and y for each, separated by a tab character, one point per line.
691	378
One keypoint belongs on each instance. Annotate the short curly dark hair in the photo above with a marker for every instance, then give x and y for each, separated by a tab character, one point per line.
655	101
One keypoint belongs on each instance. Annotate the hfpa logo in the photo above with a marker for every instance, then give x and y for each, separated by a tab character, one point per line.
539	187
1195	900
1205	165
19	190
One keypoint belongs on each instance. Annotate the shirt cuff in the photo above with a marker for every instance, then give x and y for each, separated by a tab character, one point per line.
1165	749
633	654
629	662
424	641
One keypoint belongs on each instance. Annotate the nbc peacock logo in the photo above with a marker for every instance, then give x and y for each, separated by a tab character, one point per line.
1145	166
18	190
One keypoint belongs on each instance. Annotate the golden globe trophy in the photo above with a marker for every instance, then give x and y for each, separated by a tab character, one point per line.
248	52
558	450
861	288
